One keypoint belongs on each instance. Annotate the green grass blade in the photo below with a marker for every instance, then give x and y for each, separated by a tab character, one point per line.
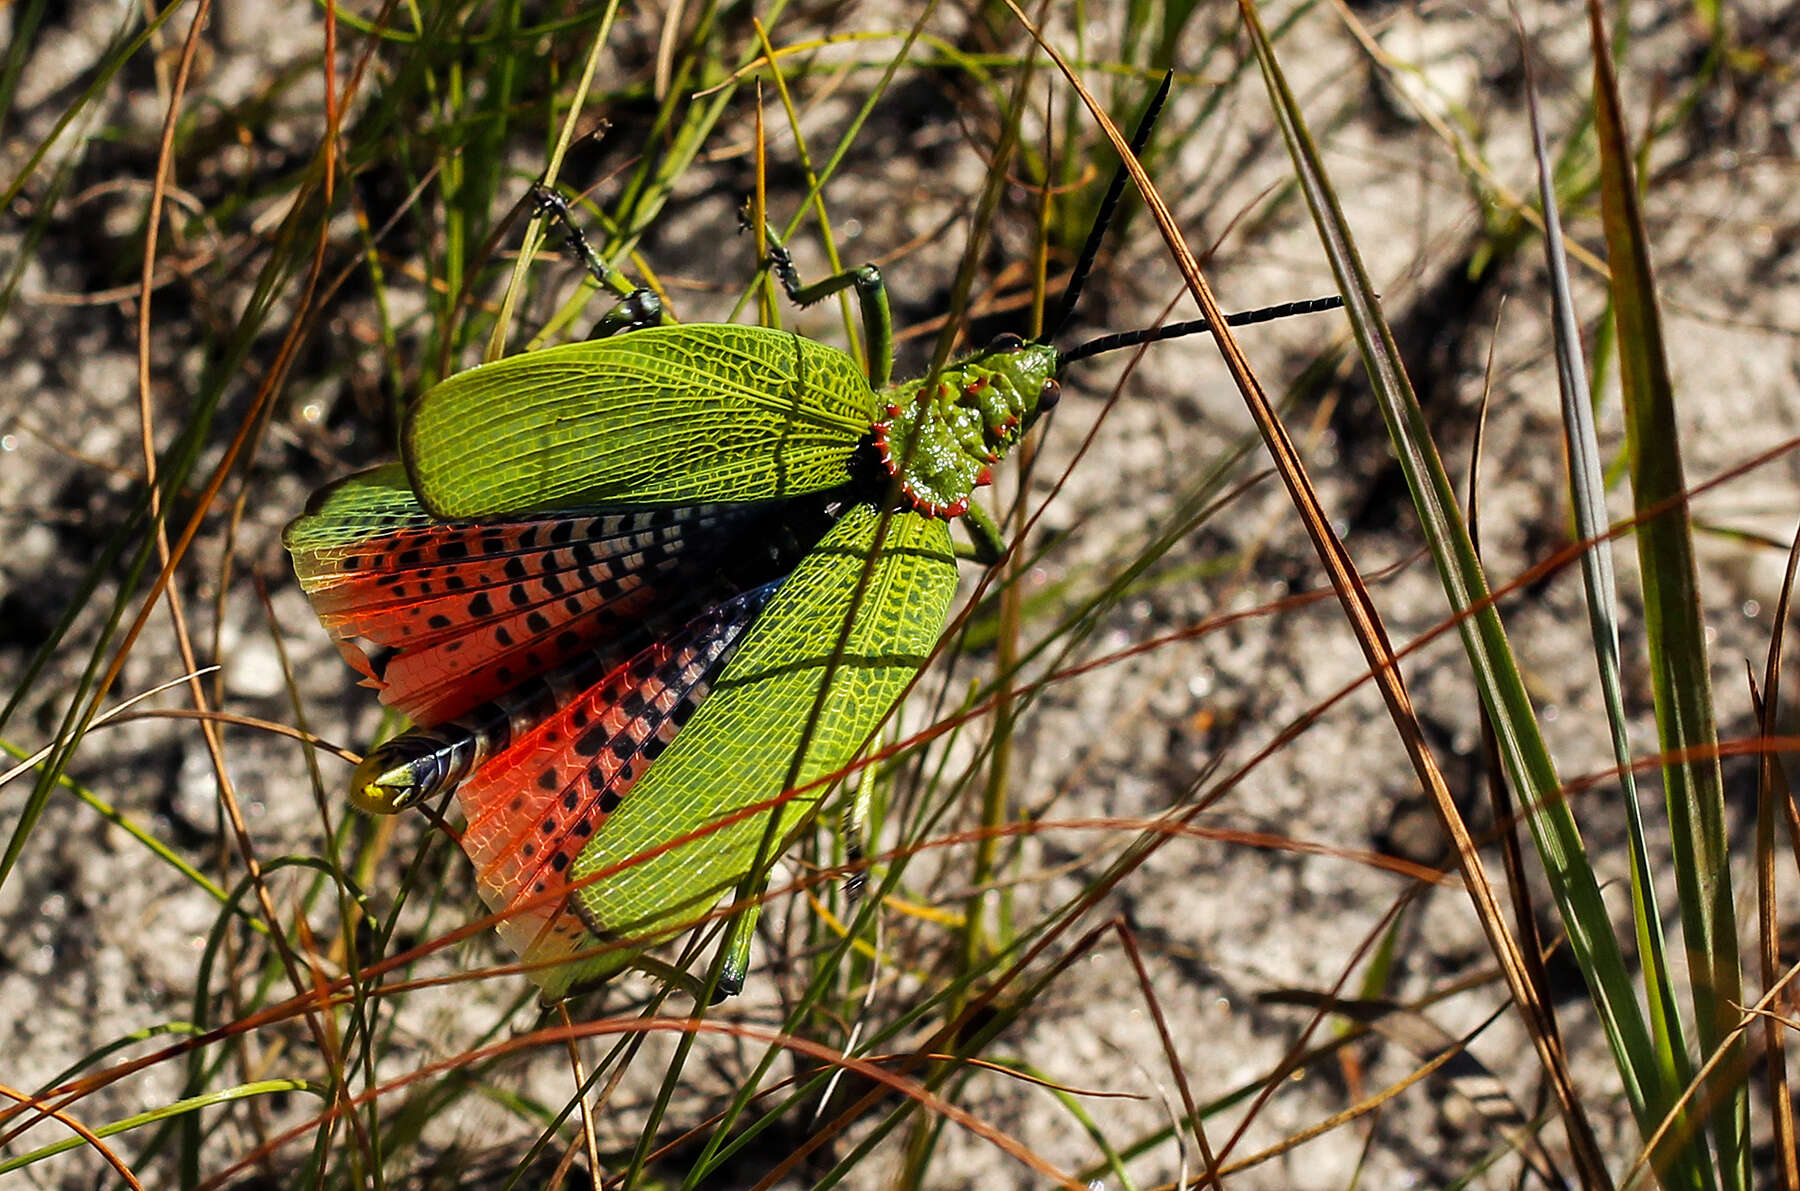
1679	676
1587	481
265	1087
142	835
1527	760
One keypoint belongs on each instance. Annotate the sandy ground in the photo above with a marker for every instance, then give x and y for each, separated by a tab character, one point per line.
101	938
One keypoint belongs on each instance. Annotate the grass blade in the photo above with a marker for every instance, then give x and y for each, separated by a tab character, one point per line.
1587	493
1680	680
1528	763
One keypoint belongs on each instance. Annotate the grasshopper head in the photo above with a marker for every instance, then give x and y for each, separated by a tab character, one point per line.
940	440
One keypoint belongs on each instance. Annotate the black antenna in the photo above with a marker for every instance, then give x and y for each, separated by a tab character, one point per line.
1107	343
1115	190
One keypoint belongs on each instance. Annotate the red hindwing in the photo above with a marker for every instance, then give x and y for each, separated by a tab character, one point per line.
532	808
441	617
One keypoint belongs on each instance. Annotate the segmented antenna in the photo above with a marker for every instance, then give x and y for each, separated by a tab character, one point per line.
1243	318
1115	190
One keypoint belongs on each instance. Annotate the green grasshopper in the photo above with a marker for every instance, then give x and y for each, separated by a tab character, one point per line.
696	563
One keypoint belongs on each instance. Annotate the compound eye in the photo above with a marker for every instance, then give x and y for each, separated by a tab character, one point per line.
1049	395
1007	343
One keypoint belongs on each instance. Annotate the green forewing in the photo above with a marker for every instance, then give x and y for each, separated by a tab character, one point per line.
342	517
739	748
666	415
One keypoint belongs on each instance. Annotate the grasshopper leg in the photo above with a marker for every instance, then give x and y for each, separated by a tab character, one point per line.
871	298
734	963
639	308
984	535
852	827
642	308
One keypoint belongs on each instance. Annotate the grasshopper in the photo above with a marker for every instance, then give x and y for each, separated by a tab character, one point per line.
662	585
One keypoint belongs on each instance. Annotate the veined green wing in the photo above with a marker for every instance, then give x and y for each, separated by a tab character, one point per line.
665	415
740	747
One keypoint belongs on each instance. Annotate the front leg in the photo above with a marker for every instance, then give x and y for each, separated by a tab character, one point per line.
640	306
987	542
871	299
